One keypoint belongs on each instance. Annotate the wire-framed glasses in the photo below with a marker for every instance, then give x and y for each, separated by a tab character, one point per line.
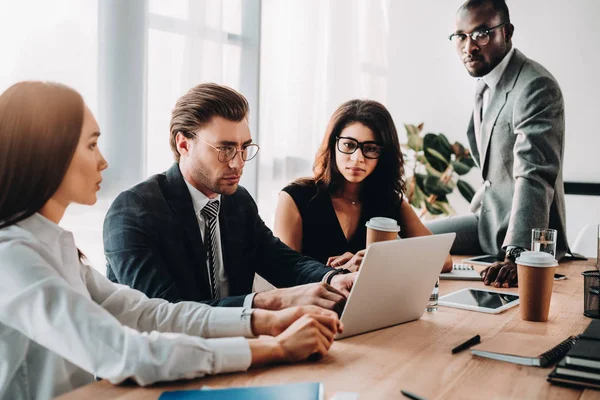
227	153
481	37
348	145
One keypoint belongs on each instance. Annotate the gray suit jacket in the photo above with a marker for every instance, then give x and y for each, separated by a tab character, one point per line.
523	148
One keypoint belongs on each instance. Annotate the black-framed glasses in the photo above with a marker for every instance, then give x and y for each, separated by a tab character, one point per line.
228	152
481	37
348	145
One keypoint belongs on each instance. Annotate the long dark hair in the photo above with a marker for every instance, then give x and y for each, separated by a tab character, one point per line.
40	126
386	182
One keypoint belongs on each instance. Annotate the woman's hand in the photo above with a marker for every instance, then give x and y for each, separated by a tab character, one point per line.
347	260
308	335
303	331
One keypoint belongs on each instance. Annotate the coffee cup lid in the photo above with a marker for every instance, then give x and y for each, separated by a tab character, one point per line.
383	224
536	259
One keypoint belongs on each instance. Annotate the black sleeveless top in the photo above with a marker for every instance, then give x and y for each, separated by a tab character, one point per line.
322	235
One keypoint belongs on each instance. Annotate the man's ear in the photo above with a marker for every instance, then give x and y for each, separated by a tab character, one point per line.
182	144
509	30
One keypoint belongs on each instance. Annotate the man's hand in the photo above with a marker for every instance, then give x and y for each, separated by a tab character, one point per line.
347	260
344	283
500	274
318	294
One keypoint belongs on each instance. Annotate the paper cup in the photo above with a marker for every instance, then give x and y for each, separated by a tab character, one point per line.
380	229
535	271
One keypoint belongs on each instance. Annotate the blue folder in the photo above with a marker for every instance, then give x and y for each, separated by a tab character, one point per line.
288	391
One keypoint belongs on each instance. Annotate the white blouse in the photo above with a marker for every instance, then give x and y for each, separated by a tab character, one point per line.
62	322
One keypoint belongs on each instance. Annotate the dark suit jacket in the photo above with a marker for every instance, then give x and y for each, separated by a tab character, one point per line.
152	243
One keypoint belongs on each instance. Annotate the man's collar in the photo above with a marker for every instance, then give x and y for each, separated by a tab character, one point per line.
199	199
494	76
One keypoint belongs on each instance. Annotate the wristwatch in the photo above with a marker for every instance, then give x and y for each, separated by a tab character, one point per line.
513	253
337	271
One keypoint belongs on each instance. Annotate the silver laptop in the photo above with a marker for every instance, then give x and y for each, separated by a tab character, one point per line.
394	284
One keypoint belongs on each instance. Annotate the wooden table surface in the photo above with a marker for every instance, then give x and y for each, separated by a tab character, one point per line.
415	356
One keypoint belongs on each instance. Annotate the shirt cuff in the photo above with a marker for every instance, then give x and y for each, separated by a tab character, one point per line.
248	300
230	322
230	354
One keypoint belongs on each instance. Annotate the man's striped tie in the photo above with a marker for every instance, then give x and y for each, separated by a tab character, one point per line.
210	213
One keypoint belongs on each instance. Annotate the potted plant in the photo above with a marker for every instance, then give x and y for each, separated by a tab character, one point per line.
436	167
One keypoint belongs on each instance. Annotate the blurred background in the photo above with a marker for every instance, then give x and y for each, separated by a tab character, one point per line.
295	61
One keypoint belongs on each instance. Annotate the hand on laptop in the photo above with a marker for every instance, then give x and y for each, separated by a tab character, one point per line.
344	283
319	294
500	274
347	260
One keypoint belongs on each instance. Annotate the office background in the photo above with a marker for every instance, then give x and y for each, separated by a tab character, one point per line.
296	61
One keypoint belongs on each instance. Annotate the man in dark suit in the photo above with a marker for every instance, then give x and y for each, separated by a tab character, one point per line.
516	134
193	234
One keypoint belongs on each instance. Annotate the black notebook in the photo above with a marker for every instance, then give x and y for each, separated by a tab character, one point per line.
586	352
525	349
572	381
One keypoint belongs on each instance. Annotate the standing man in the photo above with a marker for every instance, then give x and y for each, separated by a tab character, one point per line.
516	135
192	233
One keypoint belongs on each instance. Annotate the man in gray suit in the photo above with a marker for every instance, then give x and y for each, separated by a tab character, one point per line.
516	135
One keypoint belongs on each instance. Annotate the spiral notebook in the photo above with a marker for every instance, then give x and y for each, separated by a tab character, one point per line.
461	272
525	349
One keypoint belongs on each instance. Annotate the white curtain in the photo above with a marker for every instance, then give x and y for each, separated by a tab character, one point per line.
315	55
189	42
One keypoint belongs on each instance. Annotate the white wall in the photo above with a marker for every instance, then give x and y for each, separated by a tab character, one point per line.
428	83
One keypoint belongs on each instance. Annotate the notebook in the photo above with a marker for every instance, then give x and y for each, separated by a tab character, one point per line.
586	353
525	349
461	272
578	372
572	381
291	391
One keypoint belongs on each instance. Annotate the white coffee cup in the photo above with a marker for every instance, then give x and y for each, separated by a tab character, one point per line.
380	229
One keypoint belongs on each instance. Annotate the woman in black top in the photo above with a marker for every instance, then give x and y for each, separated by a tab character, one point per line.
358	174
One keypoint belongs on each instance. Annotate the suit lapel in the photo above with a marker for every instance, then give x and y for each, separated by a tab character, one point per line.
473	142
179	198
496	103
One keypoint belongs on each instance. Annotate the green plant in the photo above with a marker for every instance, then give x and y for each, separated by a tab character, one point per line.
437	166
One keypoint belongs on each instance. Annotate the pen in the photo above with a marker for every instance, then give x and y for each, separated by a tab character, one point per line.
412	395
474	340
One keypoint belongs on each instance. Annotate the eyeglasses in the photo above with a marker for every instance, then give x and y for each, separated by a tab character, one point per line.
481	37
228	152
348	145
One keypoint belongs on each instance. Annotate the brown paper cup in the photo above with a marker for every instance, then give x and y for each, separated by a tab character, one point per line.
535	288
374	235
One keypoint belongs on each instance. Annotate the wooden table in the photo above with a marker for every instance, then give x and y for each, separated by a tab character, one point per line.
415	356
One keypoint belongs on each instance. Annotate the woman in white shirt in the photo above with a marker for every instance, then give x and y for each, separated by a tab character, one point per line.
61	322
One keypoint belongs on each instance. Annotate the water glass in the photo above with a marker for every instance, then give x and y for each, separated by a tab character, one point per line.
432	305
544	240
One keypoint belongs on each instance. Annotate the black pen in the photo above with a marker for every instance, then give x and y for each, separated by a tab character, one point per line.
412	395
474	340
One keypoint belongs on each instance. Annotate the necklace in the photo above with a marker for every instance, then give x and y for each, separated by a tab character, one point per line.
353	202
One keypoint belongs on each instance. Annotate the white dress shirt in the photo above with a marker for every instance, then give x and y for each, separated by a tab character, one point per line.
62	322
199	200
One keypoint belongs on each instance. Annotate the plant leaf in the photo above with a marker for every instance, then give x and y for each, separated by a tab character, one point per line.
434	150
460	167
466	190
433	209
434	185
415	141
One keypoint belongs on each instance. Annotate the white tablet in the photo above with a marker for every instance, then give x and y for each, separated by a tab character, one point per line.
482	300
